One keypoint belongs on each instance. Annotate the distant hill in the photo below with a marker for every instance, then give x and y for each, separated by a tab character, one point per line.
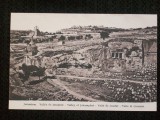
148	32
15	35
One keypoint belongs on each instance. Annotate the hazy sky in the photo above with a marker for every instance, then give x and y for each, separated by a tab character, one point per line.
52	22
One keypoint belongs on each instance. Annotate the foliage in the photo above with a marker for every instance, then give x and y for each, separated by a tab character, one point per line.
71	38
88	36
104	35
62	38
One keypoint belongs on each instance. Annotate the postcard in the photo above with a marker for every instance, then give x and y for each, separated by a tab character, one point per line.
99	62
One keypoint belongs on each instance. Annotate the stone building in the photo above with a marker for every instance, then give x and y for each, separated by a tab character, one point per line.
128	54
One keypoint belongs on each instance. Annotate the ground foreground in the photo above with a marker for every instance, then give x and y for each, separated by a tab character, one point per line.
77	89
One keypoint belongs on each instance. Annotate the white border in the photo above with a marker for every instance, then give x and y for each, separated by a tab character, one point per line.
76	105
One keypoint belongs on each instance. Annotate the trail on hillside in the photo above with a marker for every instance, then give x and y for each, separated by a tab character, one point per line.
77	95
93	78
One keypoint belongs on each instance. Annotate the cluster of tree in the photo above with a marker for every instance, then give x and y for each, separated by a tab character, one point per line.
75	37
71	38
104	35
38	40
30	71
62	38
79	37
59	32
88	36
47	33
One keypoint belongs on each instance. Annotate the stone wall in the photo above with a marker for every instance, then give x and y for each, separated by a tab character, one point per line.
121	55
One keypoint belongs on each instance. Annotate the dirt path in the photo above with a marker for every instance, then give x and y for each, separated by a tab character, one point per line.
62	86
141	82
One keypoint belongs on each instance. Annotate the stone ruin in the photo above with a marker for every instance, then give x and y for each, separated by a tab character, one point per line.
126	54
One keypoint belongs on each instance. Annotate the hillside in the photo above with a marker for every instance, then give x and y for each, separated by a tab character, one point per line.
89	69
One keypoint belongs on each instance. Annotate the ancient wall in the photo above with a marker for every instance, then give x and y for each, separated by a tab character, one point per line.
122	55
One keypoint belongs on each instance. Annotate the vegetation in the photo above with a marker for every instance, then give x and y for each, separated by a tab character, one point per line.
88	36
104	35
62	38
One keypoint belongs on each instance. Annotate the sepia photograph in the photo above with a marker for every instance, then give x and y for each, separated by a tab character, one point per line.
83	58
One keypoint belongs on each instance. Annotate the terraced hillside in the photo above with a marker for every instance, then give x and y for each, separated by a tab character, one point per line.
78	73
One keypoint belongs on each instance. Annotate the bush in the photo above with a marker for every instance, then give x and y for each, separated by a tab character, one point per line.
104	35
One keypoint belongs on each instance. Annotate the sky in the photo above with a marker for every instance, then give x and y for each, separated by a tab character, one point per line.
52	22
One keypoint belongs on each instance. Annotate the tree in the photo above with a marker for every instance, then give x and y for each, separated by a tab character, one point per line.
59	32
62	38
79	37
71	38
54	36
88	36
104	35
